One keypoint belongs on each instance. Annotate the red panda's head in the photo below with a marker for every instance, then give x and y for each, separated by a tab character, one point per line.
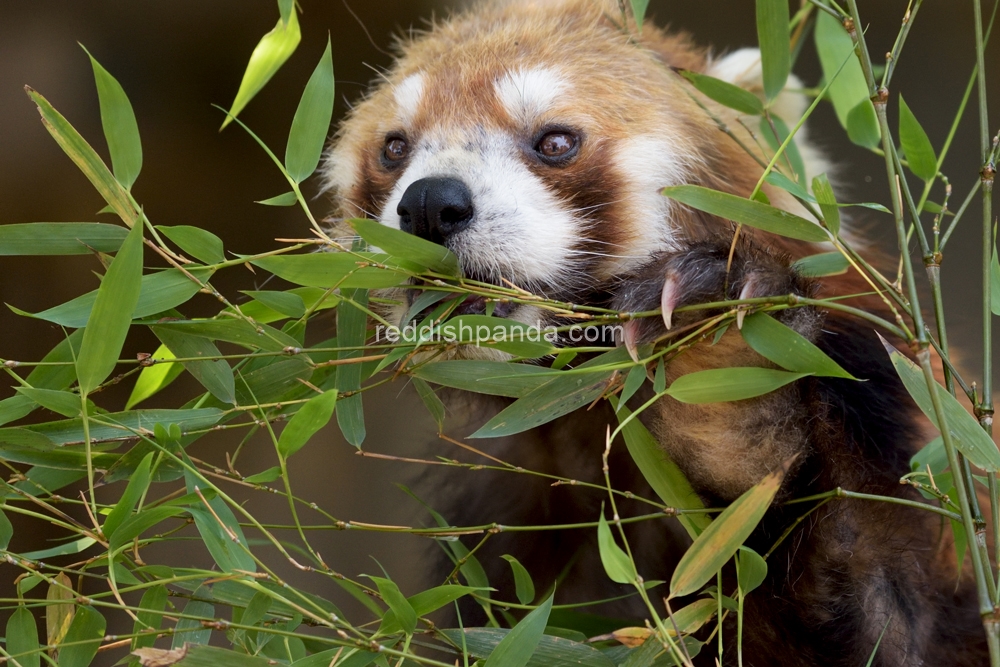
533	138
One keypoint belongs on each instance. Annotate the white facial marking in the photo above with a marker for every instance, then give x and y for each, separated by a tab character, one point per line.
529	93
408	95
520	230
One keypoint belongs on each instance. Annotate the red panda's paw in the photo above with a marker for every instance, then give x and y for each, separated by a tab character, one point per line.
697	275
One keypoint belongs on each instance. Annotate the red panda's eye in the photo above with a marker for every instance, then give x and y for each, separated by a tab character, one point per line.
396	149
556	144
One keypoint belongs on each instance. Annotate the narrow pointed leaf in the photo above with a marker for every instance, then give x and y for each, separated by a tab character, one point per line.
768	128
150	616
287	199
848	88
724	536
639	11
516	649
112	314
434	405
6	530
267	58
721	385
827	203
750	213
83	639
916	146
725	93
120	127
633	381
550	652
136	487
197	242
775	44
214	374
823	264
617	564
407	246
153	379
60	238
400	606
330	269
135	525
311	124
22	638
523	585
497	378
190	631
228	553
863	126
352	326
65	403
313	416
59	609
286	303
968	436
424	603
788	348
85	158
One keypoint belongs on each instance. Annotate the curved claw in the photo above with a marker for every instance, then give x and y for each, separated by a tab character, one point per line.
746	293
668	300
630	333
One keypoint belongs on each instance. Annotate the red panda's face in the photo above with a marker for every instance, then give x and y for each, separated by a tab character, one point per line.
532	139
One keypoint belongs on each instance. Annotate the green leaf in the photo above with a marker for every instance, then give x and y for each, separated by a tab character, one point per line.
787	348
775	133
311	124
330	269
200	655
639	11
724	536
153	379
65	403
499	333
556	398
197	242
83	639
660	377
190	630
215	375
158	292
751	570
150	616
862	125
240	332
264	477
779	180
137	486
721	385
431	401
523	585
916	146
112	314
352	327
848	89
120	128
823	264
59	609
67	549
272	379
550	652
496	378
60	238
313	416
424	603
968	436
775	44
345	658
228	553
617	564
995	284
22	638
750	213
662	473
286	303
517	647
85	158
6	530
123	425
725	93
287	199
267	58
692	617
827	203
633	381
400	606
397	243
135	525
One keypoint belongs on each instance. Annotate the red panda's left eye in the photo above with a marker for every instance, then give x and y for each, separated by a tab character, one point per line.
396	149
556	144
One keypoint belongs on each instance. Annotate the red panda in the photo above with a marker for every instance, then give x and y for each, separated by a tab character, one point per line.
533	138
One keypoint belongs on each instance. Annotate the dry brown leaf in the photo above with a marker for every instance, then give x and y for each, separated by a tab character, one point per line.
632	637
58	615
158	657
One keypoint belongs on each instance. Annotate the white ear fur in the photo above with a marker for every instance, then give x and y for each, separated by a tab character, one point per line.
742	68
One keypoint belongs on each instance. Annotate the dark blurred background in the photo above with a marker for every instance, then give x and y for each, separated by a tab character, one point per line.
175	59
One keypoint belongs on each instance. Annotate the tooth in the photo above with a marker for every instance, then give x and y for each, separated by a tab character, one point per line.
630	332
668	300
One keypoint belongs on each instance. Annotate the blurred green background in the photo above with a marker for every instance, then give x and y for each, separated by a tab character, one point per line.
175	59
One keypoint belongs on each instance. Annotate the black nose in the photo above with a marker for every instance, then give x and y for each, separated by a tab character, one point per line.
435	208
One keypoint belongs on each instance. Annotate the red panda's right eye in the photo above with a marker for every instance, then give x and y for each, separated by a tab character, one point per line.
396	149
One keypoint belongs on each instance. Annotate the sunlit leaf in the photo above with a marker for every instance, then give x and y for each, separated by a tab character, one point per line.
916	146
120	127
313	416
112	314
267	58
775	44
617	564
724	536
311	124
60	238
725	93
197	242
788	348
750	213
153	379
848	90
721	385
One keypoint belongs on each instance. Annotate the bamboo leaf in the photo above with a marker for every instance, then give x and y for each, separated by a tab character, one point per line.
286	303
725	93
724	536
6	530
751	570
287	199
550	652
313	416
827	203
330	269
60	238
83	638
524	587
633	381
424	603
775	44
721	385
215	374
968	436
639	11
823	264
65	403
311	124
916	146
862	125
112	314
22	638
750	213
66	549
848	89
267	58
496	378
135	489
431	401
59	609
269	475
150	616
787	348
397	243
400	606
197	242
775	132
220	531
120	127
153	379
85	158
617	564
135	525
190	632
516	649
662	473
